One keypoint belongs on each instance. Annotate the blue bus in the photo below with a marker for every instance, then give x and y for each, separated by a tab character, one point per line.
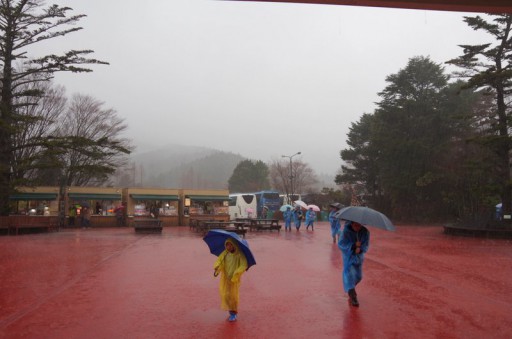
268	199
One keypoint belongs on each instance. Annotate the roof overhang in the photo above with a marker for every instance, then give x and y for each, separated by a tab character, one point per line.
155	197
483	6
33	196
94	196
208	197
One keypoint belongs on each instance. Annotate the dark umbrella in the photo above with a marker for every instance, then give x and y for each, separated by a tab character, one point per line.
84	204
216	239
365	216
336	205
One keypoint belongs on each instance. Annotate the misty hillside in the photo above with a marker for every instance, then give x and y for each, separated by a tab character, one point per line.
170	156
178	166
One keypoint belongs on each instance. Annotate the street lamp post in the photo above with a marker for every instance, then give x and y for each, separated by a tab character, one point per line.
290	195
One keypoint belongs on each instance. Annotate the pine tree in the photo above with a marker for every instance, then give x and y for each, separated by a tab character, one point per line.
24	23
488	67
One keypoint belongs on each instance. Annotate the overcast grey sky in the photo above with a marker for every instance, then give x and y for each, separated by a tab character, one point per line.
258	79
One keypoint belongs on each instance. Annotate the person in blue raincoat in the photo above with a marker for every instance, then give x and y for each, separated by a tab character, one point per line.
354	243
287	216
310	218
335	224
297	217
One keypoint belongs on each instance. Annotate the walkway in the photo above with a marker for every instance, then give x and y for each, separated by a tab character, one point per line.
113	283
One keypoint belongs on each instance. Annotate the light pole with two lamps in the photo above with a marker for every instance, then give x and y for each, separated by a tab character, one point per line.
290	195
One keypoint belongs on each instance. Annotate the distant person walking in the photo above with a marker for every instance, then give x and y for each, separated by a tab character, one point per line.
86	217
154	211
71	216
310	218
119	211
287	216
354	243
297	217
334	222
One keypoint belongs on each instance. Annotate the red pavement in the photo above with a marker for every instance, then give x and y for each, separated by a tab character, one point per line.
113	283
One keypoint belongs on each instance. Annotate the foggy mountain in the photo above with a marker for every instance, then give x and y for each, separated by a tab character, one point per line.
193	167
178	166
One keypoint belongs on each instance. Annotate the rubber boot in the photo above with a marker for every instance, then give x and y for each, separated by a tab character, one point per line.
353	297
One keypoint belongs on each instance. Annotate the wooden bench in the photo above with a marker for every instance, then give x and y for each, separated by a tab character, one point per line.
147	225
39	222
4	228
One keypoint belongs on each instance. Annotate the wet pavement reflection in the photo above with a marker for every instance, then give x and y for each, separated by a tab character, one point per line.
113	283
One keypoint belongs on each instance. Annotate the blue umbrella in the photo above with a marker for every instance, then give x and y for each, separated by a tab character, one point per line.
285	207
365	216
216	239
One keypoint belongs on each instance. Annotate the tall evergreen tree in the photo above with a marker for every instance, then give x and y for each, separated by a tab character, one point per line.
392	150
249	176
411	134
470	184
361	161
489	67
24	23
37	121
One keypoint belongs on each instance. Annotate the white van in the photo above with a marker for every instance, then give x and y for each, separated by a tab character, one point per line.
242	205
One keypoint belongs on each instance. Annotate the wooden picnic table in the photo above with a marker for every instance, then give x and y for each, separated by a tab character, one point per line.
231	226
245	220
262	224
198	219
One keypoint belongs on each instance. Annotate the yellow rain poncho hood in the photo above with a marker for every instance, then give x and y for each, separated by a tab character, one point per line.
232	266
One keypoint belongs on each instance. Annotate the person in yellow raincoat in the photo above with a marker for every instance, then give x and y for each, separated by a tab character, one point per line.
232	264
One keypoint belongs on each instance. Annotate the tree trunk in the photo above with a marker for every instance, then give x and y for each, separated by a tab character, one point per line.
5	173
6	107
503	153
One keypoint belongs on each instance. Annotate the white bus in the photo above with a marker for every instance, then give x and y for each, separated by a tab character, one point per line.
242	205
